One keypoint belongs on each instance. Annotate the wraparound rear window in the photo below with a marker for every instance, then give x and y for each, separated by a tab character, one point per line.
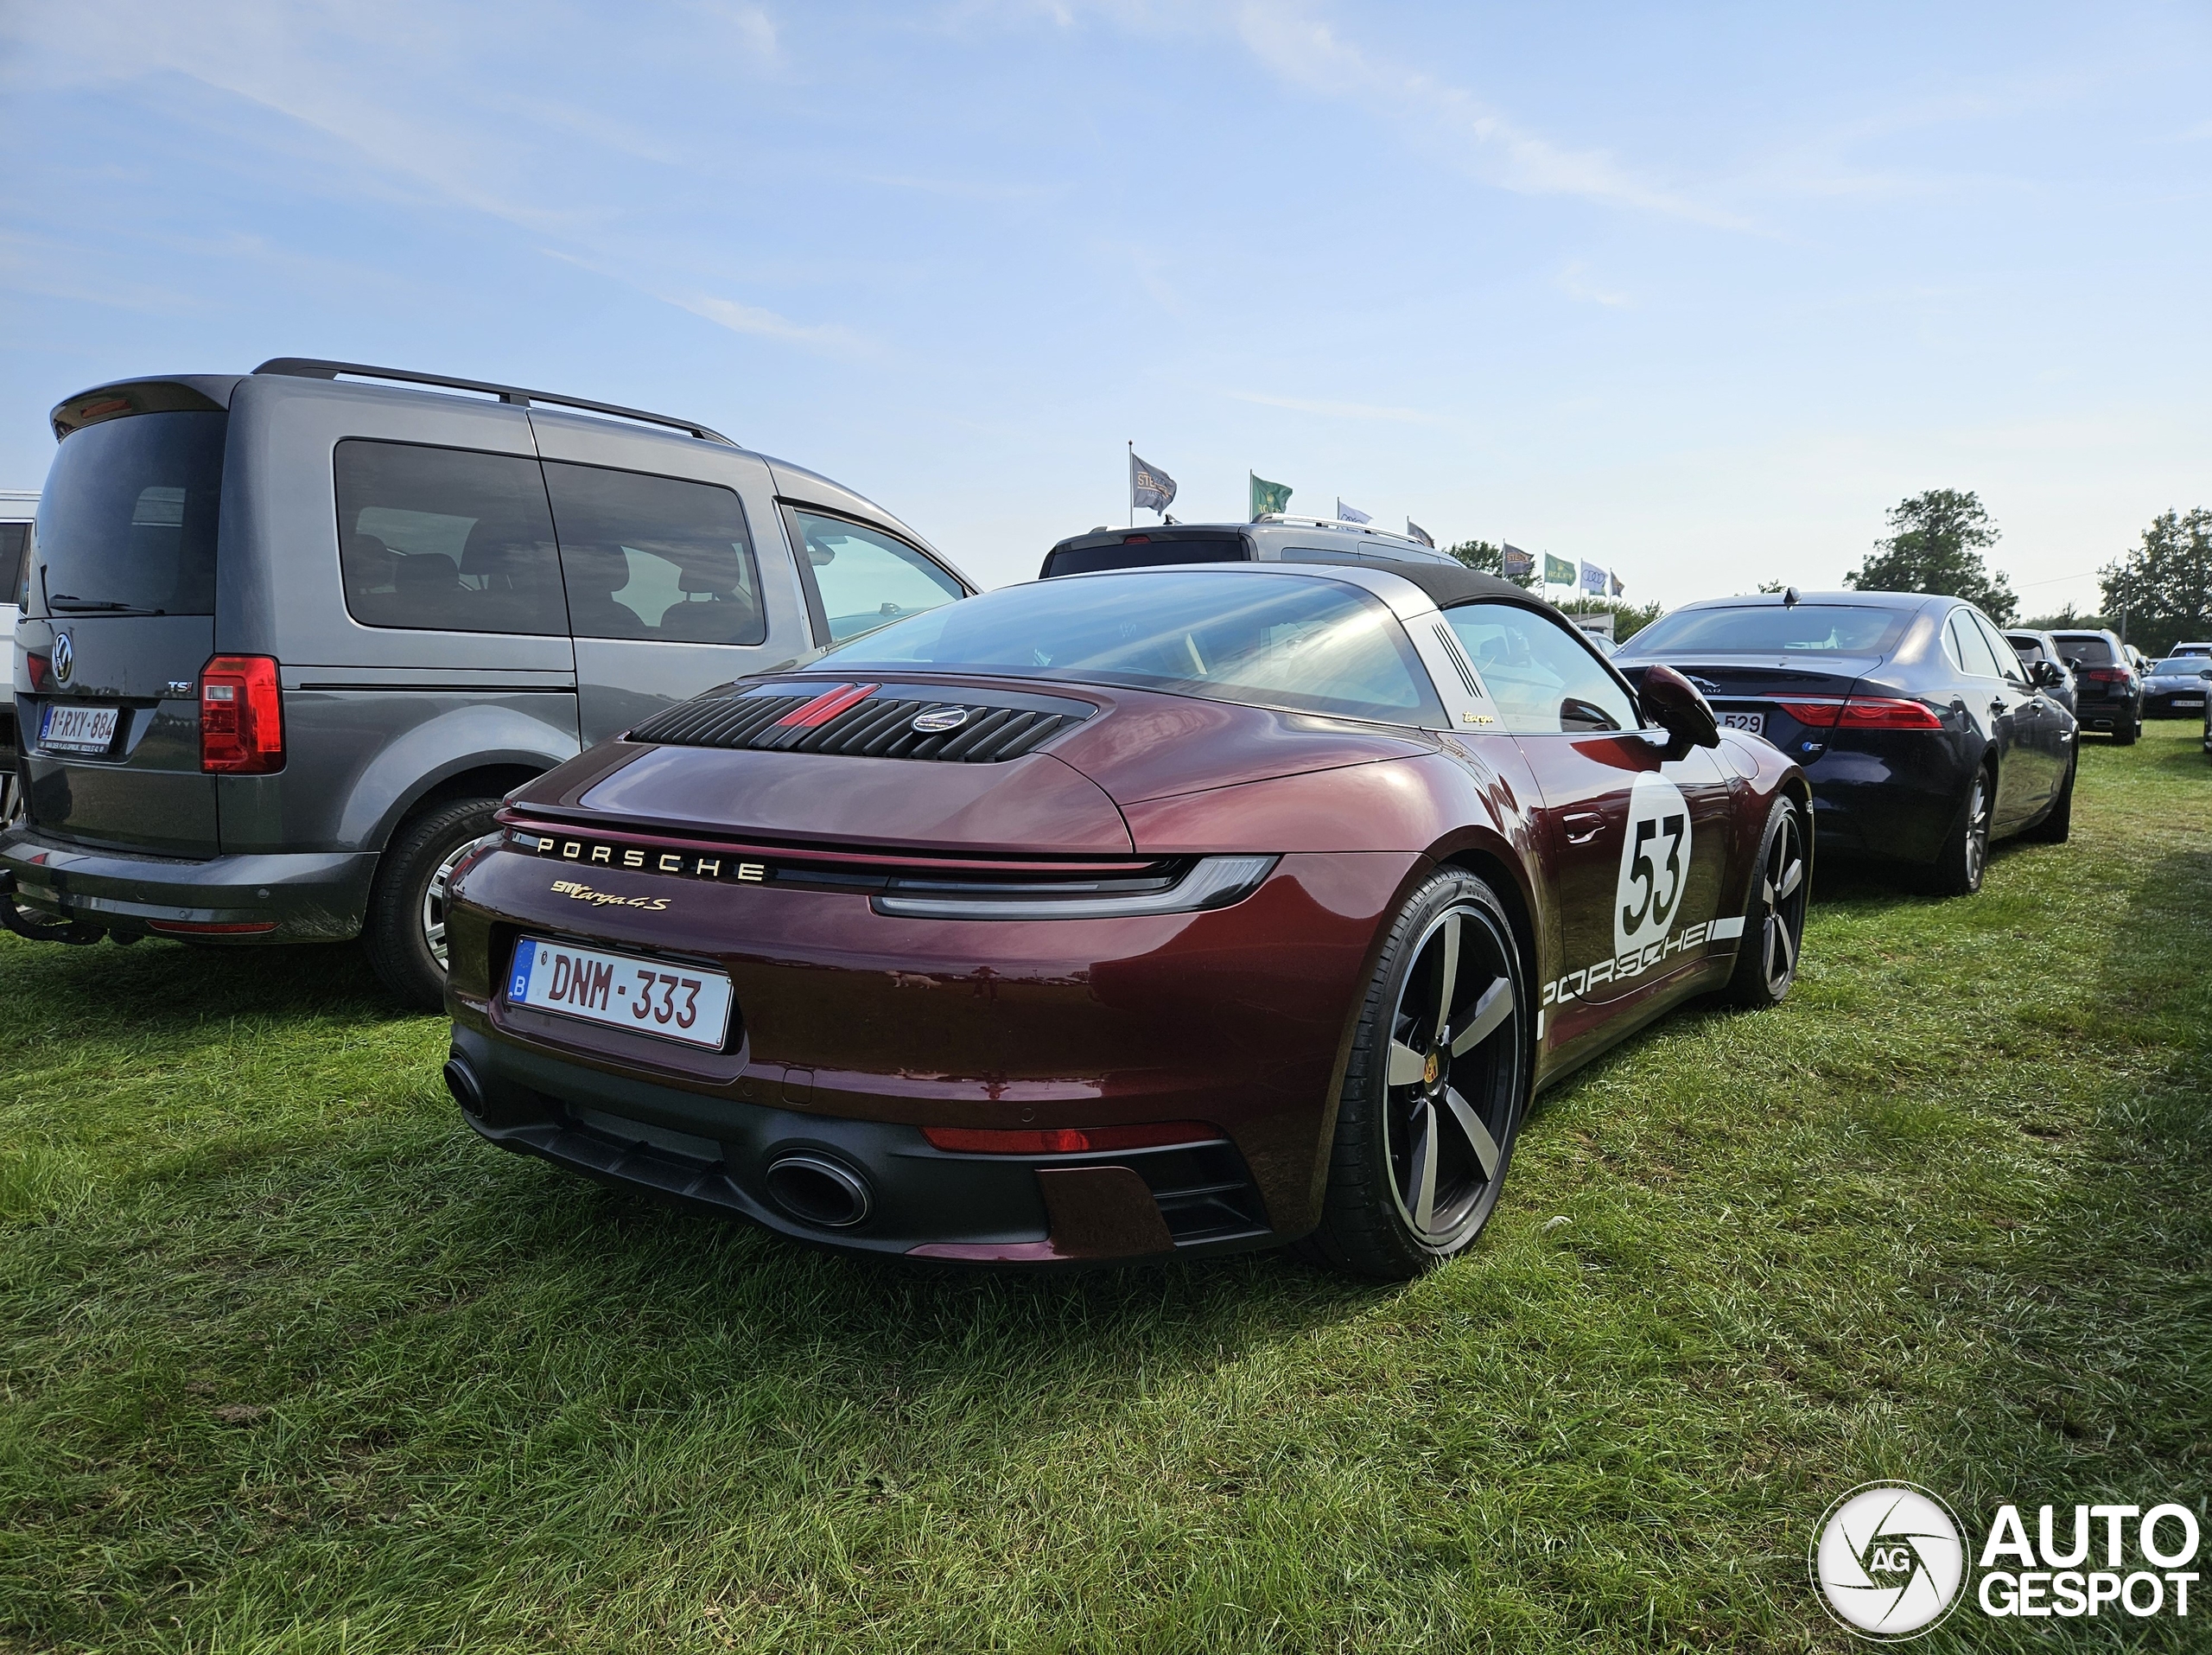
126	525
1765	628
1303	644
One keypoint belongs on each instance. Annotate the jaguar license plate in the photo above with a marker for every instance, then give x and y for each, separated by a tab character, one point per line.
1749	723
674	1001
69	729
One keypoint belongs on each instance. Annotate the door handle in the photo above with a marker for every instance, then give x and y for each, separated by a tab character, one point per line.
1582	826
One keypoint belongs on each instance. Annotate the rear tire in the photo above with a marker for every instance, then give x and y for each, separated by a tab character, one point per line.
2058	822
1774	919
405	934
1435	1089
1958	870
2126	735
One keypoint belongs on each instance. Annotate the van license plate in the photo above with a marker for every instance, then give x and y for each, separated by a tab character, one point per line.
1751	723
78	729
653	997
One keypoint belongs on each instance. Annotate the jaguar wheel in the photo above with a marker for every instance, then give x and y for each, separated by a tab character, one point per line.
1434	1090
2058	821
1958	870
1774	921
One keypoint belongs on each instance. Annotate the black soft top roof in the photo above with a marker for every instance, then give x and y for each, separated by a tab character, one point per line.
1448	584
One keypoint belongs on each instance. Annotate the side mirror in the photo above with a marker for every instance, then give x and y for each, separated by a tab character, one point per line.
2073	663
1676	707
2046	675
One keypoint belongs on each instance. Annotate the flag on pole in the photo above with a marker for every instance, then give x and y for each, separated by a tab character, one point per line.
1414	532
1149	487
1558	571
1519	564
1268	497
1617	588
1593	579
1351	513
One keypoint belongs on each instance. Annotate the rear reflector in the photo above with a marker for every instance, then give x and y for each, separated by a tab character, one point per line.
1871	713
241	717
37	667
209	928
1066	1140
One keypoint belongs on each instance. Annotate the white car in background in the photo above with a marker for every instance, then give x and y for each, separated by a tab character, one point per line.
17	509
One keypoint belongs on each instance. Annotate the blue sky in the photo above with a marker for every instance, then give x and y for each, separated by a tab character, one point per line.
1693	292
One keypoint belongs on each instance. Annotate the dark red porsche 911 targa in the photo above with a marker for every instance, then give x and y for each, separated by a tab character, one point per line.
1196	908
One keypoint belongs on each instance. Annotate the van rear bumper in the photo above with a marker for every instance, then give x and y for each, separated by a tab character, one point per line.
312	897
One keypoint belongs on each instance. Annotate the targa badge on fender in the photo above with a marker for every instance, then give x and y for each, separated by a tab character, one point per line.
1655	863
939	719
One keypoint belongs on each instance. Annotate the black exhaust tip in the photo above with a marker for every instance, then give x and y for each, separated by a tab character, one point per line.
816	1190
461	1081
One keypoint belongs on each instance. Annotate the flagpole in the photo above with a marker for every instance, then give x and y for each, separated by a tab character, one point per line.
1130	476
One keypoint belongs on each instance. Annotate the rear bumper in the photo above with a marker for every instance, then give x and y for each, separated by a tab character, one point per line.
312	897
854	1030
1894	795
2108	715
713	1155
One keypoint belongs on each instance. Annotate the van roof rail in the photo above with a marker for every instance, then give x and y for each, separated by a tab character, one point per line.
1284	520
309	367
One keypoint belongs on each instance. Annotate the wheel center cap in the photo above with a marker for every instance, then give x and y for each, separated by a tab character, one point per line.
1431	1069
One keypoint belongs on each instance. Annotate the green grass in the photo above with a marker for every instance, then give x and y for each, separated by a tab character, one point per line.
293	1361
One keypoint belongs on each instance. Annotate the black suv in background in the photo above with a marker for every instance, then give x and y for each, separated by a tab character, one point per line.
290	636
2107	694
2033	647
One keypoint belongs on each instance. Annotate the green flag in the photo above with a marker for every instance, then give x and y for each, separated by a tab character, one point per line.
1268	497
1558	571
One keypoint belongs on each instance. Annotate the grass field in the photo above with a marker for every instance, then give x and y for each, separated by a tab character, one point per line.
292	1361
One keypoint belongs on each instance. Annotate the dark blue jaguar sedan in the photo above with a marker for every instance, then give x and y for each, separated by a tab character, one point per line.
1923	733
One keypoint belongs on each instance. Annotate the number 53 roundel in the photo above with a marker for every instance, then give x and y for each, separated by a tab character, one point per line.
1654	865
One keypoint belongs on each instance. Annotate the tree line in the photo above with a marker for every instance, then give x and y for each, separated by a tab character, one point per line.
2155	596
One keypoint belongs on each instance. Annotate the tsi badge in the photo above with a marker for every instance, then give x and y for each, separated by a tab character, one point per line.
1888	1560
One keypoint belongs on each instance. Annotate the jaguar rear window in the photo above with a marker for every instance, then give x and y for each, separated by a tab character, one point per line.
1767	628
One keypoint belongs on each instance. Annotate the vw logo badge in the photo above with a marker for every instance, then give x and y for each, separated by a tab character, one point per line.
937	720
65	658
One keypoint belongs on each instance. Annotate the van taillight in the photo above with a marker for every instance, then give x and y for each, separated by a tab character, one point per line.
241	717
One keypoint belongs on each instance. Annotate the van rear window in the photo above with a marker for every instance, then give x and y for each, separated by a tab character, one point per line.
445	540
126	523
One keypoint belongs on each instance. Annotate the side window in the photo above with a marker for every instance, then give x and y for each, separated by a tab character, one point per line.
445	540
15	542
1543	679
1969	648
864	577
656	557
2002	651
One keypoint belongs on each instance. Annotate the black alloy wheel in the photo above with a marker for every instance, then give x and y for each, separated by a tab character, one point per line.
1435	1089
1774	921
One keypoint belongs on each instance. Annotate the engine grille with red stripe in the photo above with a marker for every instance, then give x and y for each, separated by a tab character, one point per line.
869	721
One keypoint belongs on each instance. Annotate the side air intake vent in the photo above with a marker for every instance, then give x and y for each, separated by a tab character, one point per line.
869	721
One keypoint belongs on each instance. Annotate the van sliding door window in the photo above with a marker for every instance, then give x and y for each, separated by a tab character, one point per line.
655	558
447	540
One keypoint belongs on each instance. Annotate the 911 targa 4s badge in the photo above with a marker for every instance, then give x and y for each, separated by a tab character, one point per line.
1238	906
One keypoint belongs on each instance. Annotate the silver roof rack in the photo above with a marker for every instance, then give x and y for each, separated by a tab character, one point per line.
309	367
1287	521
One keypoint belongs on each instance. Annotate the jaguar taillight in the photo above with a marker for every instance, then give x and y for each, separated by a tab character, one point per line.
241	717
1869	712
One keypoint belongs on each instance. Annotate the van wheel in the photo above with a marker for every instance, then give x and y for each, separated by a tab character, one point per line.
405	935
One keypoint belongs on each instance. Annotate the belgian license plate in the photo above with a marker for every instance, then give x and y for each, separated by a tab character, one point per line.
67	729
1749	723
2188	701
652	996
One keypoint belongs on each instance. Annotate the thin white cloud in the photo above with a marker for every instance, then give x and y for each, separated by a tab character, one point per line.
1309	53
1576	281
766	324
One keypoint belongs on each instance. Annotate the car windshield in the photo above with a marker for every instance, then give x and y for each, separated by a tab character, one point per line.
1764	629
2186	666
1267	640
126	525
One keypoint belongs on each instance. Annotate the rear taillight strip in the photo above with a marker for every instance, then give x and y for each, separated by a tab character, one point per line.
1861	712
241	717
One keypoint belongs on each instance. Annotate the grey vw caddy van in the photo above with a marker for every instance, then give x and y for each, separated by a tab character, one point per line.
289	636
